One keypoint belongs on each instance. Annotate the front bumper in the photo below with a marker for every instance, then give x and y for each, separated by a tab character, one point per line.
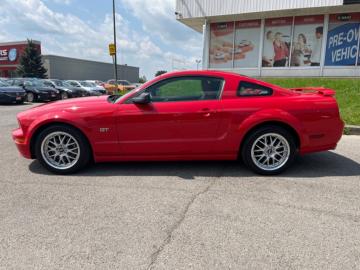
76	94
45	96
21	143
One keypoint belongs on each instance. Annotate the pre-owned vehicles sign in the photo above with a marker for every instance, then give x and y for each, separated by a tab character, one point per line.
342	41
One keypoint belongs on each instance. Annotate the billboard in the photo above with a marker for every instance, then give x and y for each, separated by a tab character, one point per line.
342	41
277	40
247	43
307	41
221	45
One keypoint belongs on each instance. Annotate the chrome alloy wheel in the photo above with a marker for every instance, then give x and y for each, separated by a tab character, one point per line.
270	151
60	150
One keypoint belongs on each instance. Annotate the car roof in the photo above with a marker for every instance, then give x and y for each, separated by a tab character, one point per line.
201	73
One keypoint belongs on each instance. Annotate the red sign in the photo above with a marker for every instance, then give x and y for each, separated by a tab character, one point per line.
318	19
279	21
10	53
222	29
345	17
248	24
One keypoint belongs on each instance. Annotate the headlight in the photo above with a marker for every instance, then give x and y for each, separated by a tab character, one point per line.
57	91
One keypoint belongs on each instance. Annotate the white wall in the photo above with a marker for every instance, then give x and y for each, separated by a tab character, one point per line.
207	8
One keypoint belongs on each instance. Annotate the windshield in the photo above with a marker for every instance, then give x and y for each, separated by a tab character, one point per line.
2	83
66	84
124	82
86	84
37	83
58	83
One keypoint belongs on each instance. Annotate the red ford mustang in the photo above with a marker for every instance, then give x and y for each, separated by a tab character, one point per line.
187	115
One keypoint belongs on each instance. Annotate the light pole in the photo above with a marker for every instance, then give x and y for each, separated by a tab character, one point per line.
115	56
198	61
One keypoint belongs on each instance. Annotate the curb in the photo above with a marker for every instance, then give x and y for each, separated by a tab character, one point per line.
352	130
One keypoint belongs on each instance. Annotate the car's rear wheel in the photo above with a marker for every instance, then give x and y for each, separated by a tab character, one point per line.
269	150
30	97
62	149
64	95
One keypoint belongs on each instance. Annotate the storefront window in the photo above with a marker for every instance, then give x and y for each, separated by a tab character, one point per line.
342	40
247	42
277	39
221	45
307	41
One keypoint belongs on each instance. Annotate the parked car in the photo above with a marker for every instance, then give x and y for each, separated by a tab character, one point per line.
185	115
94	87
11	94
123	85
97	82
67	90
90	88
36	90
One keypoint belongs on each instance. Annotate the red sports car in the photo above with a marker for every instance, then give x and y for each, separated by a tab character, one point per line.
187	115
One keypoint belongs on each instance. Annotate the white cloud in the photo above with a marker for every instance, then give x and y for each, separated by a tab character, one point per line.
68	35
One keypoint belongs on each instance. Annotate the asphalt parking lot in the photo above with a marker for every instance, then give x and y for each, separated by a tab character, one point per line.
179	215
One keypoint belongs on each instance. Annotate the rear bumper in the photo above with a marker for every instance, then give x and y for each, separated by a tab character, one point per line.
325	140
47	96
21	143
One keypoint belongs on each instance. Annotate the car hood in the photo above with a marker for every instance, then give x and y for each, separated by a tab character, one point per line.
11	89
67	105
45	89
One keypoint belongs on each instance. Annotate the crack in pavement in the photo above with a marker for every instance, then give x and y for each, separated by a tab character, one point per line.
154	256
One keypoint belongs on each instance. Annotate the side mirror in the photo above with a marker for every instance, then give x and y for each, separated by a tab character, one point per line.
143	98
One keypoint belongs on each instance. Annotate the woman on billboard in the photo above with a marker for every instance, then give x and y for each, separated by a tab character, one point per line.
281	51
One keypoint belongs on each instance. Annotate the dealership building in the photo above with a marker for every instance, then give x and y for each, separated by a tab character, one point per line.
64	68
277	38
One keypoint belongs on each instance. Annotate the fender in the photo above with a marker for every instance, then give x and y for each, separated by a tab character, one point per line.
58	118
273	115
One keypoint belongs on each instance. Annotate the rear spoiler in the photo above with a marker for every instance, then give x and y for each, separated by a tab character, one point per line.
319	90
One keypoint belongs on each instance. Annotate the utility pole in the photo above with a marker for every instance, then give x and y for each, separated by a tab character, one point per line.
115	56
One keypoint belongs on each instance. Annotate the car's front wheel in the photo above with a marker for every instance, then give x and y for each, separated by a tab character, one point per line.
30	97
269	150
64	95
62	149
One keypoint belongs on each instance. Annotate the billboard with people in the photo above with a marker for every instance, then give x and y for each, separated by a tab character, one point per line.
307	41
277	40
247	43
297	41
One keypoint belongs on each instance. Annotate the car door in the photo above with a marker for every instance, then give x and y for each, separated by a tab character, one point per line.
181	119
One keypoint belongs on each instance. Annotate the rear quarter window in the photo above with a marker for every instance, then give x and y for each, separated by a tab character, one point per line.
248	89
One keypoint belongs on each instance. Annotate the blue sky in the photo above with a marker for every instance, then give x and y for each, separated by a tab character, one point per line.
148	34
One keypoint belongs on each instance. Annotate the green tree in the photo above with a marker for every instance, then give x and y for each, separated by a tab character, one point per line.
160	72
142	79
30	62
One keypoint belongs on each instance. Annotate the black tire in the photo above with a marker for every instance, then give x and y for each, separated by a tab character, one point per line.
64	95
247	146
30	97
85	149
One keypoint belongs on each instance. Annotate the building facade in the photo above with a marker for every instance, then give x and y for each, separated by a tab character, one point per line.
277	38
65	68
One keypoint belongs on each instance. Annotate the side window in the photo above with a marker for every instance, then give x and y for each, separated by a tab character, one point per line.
248	89
186	89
